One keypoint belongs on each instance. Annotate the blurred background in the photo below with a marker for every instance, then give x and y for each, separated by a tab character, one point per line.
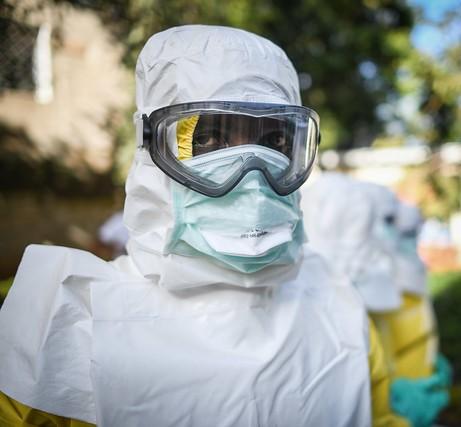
384	75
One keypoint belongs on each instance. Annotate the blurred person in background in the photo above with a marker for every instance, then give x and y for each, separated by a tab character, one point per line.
219	315
409	334
362	229
111	239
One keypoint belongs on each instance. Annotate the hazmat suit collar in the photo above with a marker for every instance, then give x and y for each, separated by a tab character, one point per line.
176	272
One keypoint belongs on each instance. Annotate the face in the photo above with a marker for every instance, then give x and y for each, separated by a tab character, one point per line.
214	132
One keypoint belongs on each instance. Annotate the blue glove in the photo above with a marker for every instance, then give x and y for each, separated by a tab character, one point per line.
421	400
444	370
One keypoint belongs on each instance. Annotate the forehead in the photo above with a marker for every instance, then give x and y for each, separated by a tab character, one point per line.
234	121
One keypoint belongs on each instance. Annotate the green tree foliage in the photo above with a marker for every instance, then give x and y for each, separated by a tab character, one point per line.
347	52
445	195
351	51
441	91
445	288
436	80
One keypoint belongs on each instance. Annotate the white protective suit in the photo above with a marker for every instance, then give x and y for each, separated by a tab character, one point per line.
164	340
409	270
344	225
114	233
412	277
408	334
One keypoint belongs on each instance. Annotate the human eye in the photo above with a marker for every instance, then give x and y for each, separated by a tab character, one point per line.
276	140
389	219
206	141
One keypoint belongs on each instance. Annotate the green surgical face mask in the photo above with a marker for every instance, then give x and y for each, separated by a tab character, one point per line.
246	230
408	245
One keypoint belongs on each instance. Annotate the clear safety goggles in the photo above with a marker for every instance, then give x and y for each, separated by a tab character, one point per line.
278	140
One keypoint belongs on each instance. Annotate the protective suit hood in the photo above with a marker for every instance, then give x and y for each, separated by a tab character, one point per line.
409	218
411	271
185	64
386	207
202	63
340	219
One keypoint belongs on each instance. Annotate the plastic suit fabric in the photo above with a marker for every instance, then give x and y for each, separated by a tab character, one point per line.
409	333
341	220
361	218
15	414
411	271
77	364
409	337
380	385
167	340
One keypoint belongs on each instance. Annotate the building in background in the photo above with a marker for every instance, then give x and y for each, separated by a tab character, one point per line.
63	93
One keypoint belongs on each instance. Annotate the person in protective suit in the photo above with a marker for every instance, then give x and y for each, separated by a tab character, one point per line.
354	225
219	315
409	336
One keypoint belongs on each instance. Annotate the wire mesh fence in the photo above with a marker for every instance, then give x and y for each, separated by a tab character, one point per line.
16	55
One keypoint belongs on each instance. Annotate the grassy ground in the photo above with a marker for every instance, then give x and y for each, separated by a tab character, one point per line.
4	287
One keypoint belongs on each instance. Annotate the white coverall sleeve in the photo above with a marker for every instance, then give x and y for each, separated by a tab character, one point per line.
46	329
